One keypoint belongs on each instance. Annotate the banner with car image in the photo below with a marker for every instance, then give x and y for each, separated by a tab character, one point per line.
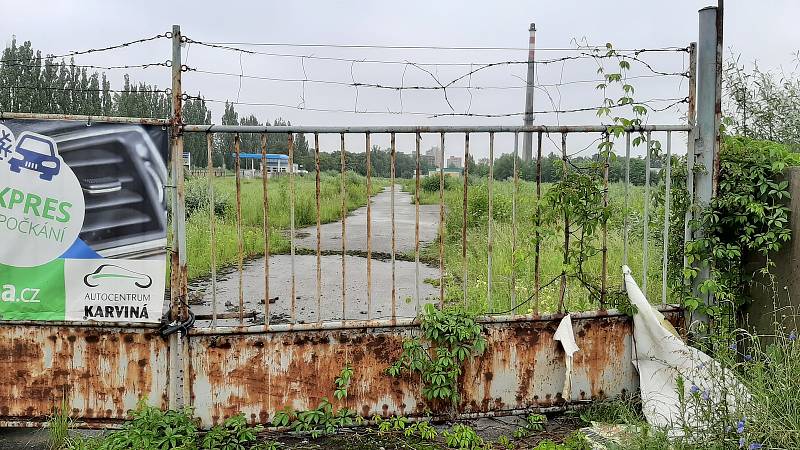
82	221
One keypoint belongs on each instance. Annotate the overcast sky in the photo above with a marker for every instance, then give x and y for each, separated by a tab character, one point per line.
765	31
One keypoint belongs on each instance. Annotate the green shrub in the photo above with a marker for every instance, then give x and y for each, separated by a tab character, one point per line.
198	199
431	183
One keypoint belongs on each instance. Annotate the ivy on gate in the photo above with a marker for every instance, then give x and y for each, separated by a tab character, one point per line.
449	338
577	197
748	218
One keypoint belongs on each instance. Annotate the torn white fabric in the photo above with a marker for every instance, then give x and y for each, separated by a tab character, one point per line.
662	359
565	334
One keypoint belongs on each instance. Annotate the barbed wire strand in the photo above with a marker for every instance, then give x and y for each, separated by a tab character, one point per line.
583	55
114	91
99	49
91	66
438	47
645	103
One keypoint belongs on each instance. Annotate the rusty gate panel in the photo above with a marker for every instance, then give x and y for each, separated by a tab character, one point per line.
101	371
260	373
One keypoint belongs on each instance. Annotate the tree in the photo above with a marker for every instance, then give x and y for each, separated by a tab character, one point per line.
225	141
195	111
762	105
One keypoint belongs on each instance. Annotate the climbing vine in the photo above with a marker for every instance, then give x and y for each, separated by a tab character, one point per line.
575	203
449	338
747	219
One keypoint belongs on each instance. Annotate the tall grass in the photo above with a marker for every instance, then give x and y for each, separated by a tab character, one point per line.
226	235
766	415
551	259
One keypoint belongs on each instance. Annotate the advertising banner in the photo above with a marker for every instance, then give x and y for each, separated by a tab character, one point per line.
82	221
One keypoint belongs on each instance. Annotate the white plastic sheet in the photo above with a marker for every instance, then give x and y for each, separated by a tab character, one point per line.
662	358
566	335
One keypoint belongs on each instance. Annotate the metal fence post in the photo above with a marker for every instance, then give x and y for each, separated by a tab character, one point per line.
179	275
706	144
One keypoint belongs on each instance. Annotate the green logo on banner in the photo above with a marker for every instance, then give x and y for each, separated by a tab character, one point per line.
32	293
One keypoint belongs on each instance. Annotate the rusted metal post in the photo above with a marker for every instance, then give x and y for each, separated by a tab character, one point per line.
394	230
265	197
529	94
239	237
690	150
290	145
319	228
646	217
563	291
665	231
489	237
441	220
604	249
178	392
212	220
514	194
343	198
625	223
465	269
369	228
537	269
417	281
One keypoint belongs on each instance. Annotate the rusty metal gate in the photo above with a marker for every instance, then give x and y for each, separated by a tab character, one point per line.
244	360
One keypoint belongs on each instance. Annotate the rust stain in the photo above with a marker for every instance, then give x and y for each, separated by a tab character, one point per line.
102	373
261	373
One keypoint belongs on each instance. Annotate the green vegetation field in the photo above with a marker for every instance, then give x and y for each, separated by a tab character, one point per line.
197	205
578	298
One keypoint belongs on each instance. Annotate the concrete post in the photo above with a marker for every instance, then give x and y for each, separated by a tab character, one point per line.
709	101
527	143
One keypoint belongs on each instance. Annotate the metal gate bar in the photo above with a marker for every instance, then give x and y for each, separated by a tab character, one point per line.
491	301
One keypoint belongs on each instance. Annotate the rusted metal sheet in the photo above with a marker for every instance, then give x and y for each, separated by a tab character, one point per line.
102	372
261	373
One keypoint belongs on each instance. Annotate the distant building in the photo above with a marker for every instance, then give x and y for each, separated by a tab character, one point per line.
429	159
276	163
435	153
455	162
449	171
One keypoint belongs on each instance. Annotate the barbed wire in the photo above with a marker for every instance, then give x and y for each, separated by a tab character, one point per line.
646	103
439	85
437	47
100	49
484	65
166	63
113	91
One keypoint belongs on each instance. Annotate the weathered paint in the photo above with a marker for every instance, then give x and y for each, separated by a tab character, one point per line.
261	373
101	371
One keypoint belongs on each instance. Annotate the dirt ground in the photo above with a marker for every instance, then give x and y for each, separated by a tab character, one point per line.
359	438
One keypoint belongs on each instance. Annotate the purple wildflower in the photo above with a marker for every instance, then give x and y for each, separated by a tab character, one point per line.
741	442
793	336
754	446
748	358
732	346
740	425
694	389
705	396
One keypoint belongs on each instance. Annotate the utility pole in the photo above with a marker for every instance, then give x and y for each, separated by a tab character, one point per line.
527	142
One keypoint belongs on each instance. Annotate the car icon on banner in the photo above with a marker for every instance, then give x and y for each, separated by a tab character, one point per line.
114	273
37	154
